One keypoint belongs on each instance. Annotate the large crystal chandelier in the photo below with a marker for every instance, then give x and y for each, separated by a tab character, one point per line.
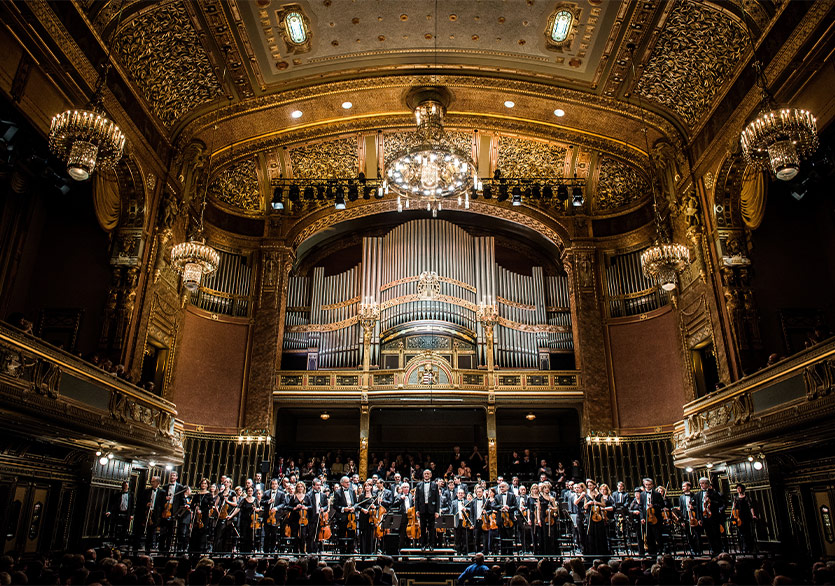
86	138
779	138
431	169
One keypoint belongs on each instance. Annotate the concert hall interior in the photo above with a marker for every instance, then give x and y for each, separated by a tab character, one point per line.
533	241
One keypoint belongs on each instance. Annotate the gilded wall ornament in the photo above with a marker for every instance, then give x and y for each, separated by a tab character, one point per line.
696	51
237	186
521	157
618	185
332	159
395	142
162	52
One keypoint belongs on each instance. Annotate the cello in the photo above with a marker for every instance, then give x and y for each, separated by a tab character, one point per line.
324	523
413	526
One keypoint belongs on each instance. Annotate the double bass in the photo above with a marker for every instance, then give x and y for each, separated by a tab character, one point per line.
488	521
324	523
412	526
377	518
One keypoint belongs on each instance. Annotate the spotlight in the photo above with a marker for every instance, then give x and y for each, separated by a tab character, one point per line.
487	192
294	193
339	198
320	192
366	192
758	465
152	464
109	455
308	193
530	416
517	196
689	469
103	461
380	192
324	415
278	198
709	465
559	112
509	104
347	105
353	192
536	191
98	452
547	192
562	192
577	196
169	467
474	193
296	114
750	458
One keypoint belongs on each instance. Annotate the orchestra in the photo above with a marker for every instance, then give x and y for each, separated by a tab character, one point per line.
459	516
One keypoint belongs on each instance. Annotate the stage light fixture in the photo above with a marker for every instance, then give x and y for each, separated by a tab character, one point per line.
353	191
320	192
530	416
366	192
758	465
308	193
562	192
324	415
294	193
577	196
547	192
517	196
339	198
487	192
536	191
502	192
103	461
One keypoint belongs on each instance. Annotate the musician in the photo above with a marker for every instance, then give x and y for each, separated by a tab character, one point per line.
514	485
366	518
598	510
247	512
446	496
401	505
387	497
258	483
551	511
494	511
184	517
690	518
297	519
272	502
478	510
524	529
345	500
201	504
151	506
634	512
620	497
119	513
743	514
173	503
538	518
427	502
317	510
652	504
710	506
226	532
462	522
507	504
581	499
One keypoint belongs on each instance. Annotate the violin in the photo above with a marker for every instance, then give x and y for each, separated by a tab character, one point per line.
596	516
466	522
488	521
694	519
413	526
198	518
271	520
735	518
652	518
167	510
224	511
256	520
303	517
379	532
666	517
507	519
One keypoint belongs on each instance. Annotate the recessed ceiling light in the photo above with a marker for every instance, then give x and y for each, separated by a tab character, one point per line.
509	103
347	105
296	113
559	112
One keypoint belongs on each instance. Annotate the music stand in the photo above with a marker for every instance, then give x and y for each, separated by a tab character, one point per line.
392	521
445	522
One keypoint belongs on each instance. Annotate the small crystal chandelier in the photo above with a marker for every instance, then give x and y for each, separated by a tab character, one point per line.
779	138
432	169
87	138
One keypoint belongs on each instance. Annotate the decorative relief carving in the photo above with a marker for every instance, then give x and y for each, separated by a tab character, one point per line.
441	278
521	306
521	157
41	377
696	51
618	185
819	379
126	409
734	411
329	159
237	185
428	343
162	52
395	142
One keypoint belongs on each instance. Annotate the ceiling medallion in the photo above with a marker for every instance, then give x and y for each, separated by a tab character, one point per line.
431	168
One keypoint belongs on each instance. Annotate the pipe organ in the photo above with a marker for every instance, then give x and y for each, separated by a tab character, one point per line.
629	292
427	277
226	291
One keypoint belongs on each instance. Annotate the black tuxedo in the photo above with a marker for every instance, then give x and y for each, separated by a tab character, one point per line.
119	519
654	536
400	506
151	500
173	495
342	499
427	508
507	535
316	504
459	509
710	506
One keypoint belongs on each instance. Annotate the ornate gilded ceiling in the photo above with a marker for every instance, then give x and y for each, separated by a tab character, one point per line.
697	49
519	157
162	53
332	158
237	186
619	185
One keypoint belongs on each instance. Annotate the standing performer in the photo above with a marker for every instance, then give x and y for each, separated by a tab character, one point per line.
460	510
598	507
427	501
581	498
690	519
184	516
550	543
478	510
524	528
367	505
744	516
317	512
119	513
173	503
635	520
345	501
150	510
297	521
539	520
652	504
272	502
710	505
507	504
201	509
401	505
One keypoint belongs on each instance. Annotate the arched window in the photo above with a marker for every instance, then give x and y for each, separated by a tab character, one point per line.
562	26
295	28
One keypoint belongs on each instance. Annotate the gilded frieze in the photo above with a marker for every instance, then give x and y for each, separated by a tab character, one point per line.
520	157
618	185
329	159
237	186
696	52
395	142
162	52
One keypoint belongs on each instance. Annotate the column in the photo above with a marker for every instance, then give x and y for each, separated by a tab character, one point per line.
365	424
589	346
492	449
267	336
